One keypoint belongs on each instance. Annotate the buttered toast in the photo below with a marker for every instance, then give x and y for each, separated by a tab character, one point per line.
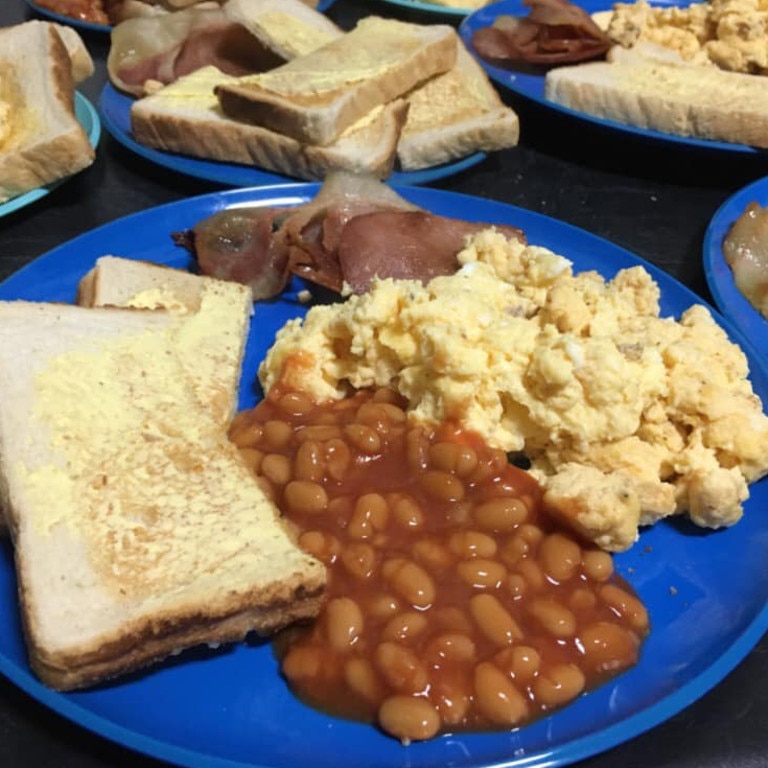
138	530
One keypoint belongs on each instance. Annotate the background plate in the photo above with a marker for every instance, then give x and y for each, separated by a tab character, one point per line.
440	10
728	297
89	119
90	26
230	709
115	108
531	86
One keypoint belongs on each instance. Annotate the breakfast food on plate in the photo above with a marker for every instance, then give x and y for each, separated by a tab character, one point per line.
354	229
745	249
553	32
41	140
454	601
186	117
663	94
316	97
239	37
138	530
626	417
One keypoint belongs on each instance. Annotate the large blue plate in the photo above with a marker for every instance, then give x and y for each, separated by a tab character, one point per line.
232	709
531	86
89	119
115	108
729	299
90	26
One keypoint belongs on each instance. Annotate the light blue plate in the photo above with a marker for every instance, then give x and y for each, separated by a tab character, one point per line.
231	709
729	299
91	27
115	108
89	119
531	86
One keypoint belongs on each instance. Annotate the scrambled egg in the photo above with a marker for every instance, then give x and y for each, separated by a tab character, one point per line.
627	417
730	34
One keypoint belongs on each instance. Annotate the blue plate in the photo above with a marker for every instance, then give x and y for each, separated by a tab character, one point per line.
441	10
233	710
729	299
92	27
89	119
115	108
531	86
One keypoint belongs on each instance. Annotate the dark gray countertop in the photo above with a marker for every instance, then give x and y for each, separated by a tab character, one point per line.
651	198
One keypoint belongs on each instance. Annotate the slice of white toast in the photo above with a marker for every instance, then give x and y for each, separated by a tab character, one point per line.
138	530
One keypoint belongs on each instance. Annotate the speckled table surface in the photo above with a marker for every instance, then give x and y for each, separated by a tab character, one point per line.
653	199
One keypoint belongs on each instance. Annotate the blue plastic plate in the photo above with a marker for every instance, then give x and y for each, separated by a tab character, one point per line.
115	108
531	86
89	119
440	10
727	296
323	5
233	710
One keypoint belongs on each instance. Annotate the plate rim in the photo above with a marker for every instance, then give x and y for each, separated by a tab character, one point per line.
578	748
93	129
505	79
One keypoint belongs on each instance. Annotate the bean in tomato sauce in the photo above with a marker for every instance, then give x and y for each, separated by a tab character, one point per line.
454	601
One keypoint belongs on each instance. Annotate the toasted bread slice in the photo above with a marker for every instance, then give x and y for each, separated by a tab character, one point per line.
138	528
651	92
41	140
216	327
316	97
185	117
454	115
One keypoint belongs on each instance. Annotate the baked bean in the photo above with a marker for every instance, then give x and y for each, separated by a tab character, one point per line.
359	559
625	605
295	404
252	458
494	620
472	544
481	573
305	497
361	677
266	487
338	458
451	457
323	545
432	554
364	438
321	433
276	468
409	718
553	617
400	667
608	647
404	626
244	432
442	485
504	513
521	662
560	556
276	435
452	698
450	591
410	581
597	565
345	623
450	647
370	515
308	464
497	697
559	685
406	511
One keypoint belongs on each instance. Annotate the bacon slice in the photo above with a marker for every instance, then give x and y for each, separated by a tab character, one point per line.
554	32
